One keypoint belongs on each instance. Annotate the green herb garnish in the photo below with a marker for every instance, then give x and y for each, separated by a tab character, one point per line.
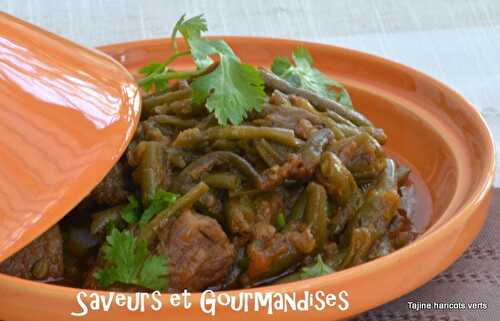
231	89
160	201
319	268
131	263
132	211
302	74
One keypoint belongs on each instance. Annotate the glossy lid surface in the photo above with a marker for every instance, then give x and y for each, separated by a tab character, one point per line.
67	114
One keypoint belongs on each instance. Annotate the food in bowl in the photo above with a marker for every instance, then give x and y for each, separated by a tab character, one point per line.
236	177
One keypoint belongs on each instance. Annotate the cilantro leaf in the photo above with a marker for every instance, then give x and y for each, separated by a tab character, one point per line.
132	211
302	74
160	201
190	28
232	89
149	71
131	263
319	268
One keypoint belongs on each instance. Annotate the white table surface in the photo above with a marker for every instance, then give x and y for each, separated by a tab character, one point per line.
455	41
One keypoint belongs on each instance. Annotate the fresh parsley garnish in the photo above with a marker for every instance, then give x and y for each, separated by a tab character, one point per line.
231	89
319	268
302	74
131	263
160	201
132	213
189	29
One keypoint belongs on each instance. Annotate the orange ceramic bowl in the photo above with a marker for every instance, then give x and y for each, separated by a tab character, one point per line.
430	127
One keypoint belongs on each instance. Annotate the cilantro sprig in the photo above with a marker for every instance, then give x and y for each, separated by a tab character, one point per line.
131	263
318	268
230	90
302	74
132	213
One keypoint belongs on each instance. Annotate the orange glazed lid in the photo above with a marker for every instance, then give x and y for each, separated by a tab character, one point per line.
67	114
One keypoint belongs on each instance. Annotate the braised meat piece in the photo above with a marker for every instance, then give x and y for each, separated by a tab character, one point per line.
42	259
111	190
198	250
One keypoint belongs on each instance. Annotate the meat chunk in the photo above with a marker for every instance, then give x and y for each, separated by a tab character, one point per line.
199	252
294	168
42	259
362	155
111	190
272	252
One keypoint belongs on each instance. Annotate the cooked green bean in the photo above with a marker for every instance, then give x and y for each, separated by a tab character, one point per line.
150	102
321	103
174	121
152	170
337	179
315	214
268	153
288	117
311	153
298	209
222	180
362	155
202	165
191	138
374	216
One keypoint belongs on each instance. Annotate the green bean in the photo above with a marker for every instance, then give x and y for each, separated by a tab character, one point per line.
222	180
377	133
339	119
302	103
343	214
224	144
311	153
288	117
268	154
315	214
298	209
207	122
362	155
279	99
184	107
361	241
151	172
174	121
374	216
183	203
191	138
321	103
204	164
337	179
100	220
148	103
